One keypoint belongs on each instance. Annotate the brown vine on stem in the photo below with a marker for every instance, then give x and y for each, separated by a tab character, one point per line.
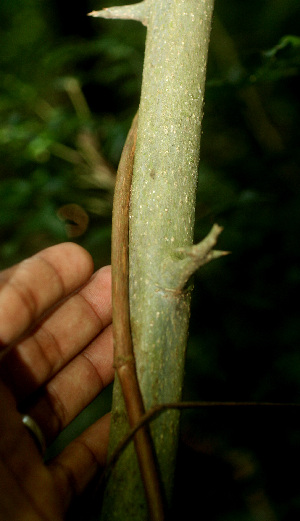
123	349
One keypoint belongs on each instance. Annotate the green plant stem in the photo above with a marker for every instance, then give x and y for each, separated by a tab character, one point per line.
162	209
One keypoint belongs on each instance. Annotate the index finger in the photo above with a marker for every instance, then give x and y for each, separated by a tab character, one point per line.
30	288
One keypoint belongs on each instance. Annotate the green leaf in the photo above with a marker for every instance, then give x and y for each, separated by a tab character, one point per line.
287	43
282	61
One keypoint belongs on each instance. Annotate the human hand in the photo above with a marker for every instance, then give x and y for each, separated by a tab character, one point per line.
55	357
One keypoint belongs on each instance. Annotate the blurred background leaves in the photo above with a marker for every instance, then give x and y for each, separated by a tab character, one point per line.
69	87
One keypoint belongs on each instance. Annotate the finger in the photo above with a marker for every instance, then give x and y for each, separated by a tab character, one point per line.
26	485
75	386
60	336
33	286
80	461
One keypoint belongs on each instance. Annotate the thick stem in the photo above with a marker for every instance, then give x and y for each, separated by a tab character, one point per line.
161	221
162	205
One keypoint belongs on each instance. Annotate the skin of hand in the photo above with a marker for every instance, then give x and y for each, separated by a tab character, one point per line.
56	355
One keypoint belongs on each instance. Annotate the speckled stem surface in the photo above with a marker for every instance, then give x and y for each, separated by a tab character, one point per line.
161	222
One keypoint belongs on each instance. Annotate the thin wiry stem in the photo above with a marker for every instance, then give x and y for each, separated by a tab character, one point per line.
157	410
123	349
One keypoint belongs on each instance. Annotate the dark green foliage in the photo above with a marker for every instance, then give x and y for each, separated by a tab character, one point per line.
245	335
43	165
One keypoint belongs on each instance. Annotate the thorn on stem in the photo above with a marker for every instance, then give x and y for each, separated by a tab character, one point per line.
138	12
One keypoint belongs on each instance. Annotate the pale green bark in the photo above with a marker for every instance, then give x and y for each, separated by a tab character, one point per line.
161	229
